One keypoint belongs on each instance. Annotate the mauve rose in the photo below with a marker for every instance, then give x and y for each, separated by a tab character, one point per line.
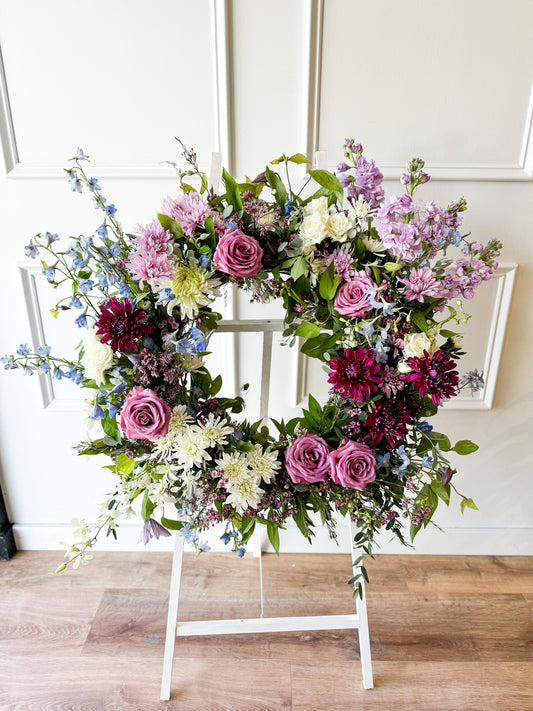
307	459
351	298
144	416
353	464
238	254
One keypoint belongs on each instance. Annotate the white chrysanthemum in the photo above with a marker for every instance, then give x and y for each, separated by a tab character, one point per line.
191	449
244	492
97	357
192	287
234	465
179	420
189	481
192	362
373	245
214	431
264	464
163	447
360	210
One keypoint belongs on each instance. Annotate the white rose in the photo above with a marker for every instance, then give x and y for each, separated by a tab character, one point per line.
97	358
403	367
312	231
318	206
416	343
339	225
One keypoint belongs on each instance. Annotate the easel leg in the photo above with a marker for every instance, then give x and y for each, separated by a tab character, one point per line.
172	618
364	636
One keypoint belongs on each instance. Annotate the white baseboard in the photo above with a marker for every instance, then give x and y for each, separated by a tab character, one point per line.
453	541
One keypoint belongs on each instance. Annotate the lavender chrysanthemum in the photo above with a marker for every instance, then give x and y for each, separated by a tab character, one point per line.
189	209
421	283
343	262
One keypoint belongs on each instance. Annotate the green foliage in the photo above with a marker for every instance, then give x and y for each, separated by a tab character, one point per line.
465	446
232	191
330	182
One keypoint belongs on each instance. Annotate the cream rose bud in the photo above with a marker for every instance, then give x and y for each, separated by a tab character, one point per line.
404	367
338	226
416	343
97	357
312	231
318	206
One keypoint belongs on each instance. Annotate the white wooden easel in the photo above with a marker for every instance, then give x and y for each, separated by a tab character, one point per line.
358	620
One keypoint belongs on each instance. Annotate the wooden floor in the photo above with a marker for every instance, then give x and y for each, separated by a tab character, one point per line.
447	634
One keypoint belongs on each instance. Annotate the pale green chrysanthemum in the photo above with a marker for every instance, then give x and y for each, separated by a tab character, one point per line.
192	287
179	420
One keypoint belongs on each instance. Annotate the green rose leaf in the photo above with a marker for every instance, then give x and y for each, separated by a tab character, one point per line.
465	446
418	318
328	283
307	330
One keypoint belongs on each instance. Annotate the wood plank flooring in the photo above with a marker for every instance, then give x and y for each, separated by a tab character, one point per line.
448	633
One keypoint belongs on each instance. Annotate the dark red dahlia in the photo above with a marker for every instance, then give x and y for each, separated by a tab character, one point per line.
434	376
389	419
354	374
120	325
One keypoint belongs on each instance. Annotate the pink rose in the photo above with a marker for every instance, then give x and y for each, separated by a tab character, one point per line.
238	254
353	464
307	459
351	298
144	416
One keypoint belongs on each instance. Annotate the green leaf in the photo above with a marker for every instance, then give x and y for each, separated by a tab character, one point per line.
167	223
314	407
328	181
275	182
468	503
392	266
418	318
299	158
299	268
316	347
442	440
328	283
273	534
124	464
307	330
243	446
215	385
171	524
110	427
443	492
232	191
465	446
147	507
413	531
211	240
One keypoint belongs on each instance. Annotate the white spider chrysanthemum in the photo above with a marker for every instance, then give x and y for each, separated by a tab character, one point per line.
360	210
234	466
191	362
163	447
214	431
191	449
264	464
192	287
244	492
179	420
189	480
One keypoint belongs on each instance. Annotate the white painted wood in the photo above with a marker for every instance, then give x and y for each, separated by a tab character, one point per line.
364	637
172	618
268	624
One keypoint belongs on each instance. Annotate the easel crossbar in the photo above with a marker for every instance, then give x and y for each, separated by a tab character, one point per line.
267	624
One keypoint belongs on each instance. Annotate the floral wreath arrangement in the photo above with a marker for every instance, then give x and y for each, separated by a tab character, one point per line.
365	283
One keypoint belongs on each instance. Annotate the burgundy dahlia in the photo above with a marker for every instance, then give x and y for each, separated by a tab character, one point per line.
120	325
434	376
354	374
389	419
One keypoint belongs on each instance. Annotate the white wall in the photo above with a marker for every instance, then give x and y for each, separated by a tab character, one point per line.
448	81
